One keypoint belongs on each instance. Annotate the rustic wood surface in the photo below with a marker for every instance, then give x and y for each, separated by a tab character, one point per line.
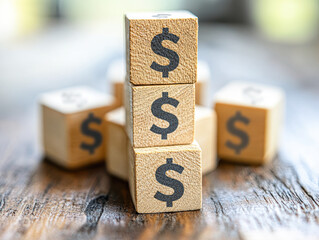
39	200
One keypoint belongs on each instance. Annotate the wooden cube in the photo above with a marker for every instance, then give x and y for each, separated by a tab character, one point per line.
73	126
206	136
160	115
161	47
249	119
202	84
116	144
116	76
165	179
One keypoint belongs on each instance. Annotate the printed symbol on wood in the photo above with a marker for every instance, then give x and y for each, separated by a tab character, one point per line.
85	129
158	48
169	182
157	111
162	15
235	131
75	98
254	94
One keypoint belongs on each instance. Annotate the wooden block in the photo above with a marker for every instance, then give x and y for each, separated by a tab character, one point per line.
161	47
116	154
160	115
116	76
206	136
249	119
165	179
73	128
202	84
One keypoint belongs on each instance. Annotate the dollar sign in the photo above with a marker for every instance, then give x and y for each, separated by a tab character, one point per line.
157	111
161	15
158	48
89	132
242	135
253	94
169	182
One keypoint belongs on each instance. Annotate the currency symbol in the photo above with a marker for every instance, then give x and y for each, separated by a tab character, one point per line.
253	94
241	134
162	15
92	133
157	111
158	48
73	98
169	182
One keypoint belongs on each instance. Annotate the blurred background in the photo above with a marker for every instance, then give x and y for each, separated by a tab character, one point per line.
51	44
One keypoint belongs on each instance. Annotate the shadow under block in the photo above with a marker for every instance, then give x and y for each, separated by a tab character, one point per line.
161	47
160	115
165	179
116	154
202	84
73	127
206	136
249	120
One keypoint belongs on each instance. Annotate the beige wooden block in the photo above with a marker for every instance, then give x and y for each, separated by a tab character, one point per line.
249	119
202	84
116	76
165	179
160	115
73	126
161	47
206	136
116	154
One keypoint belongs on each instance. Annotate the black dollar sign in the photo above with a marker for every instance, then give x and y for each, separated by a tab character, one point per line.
169	182
158	48
157	111
89	132
242	135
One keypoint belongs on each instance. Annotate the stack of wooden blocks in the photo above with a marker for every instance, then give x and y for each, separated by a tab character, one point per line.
164	161
160	142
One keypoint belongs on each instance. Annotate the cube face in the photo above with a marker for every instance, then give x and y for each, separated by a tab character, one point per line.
206	136
166	179
86	138
249	121
116	76
202	84
116	144
160	115
241	133
73	126
161	47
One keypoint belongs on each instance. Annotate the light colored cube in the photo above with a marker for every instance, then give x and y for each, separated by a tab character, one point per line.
116	76
161	47
73	126
206	136
165	179
249	119
116	154
160	115
202	84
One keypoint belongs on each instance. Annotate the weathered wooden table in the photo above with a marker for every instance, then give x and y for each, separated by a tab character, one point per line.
39	200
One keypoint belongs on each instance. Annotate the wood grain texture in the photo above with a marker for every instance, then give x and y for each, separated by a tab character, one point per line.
116	144
141	28
63	113
206	136
255	111
279	200
140	119
144	162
